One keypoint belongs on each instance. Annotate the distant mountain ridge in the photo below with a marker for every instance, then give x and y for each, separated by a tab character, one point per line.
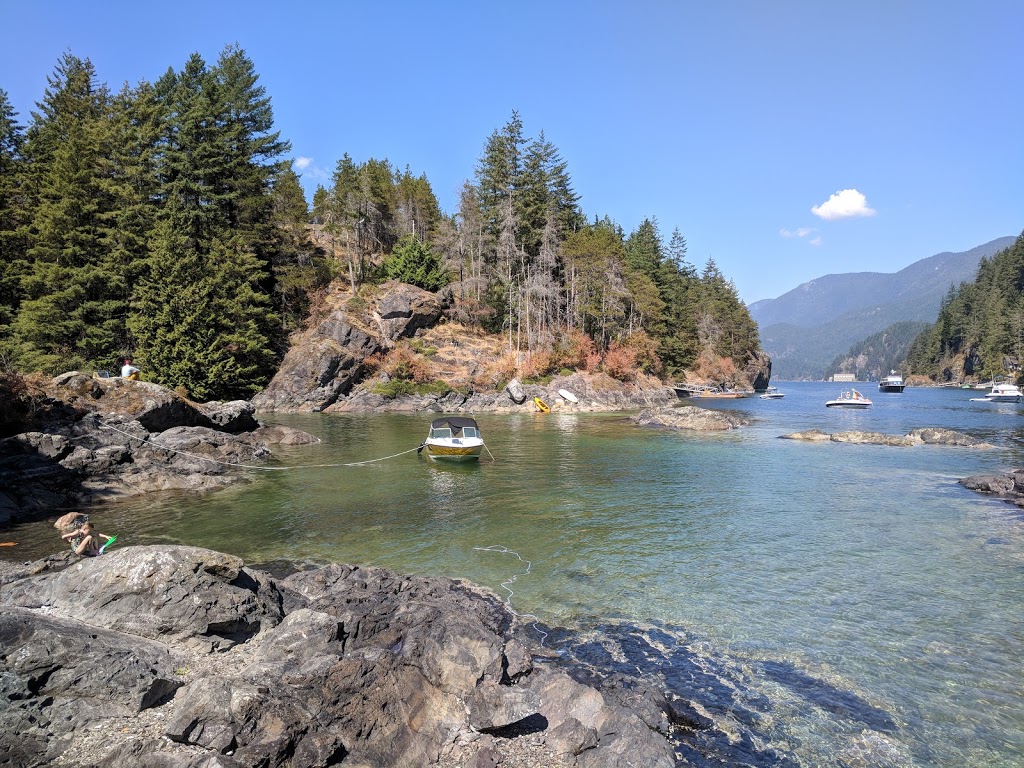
805	329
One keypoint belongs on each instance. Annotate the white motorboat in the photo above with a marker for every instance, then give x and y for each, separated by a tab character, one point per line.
772	393
453	438
1000	393
891	383
850	398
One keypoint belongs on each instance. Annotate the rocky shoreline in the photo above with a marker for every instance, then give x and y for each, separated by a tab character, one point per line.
180	656
94	440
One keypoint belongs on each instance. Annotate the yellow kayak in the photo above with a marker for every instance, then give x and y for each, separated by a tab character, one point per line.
541	405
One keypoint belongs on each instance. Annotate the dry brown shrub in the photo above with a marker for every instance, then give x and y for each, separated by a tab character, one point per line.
403	364
646	350
576	351
537	364
619	362
720	370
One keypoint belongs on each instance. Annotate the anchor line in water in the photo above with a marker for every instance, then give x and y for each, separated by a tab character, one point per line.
254	467
512	580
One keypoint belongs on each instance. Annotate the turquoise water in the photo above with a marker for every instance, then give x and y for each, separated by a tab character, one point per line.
868	567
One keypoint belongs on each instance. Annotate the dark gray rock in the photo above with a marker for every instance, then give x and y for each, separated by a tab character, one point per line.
234	416
178	656
95	444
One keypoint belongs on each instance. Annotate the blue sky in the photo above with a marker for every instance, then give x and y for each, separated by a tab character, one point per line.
786	140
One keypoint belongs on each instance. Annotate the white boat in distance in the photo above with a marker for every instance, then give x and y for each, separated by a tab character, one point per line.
772	393
453	438
849	399
891	383
1000	393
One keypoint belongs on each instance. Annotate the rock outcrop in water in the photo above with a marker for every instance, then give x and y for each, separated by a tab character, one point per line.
1009	486
96	439
180	656
690	417
924	436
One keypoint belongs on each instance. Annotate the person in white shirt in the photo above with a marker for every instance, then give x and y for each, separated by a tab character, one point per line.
129	371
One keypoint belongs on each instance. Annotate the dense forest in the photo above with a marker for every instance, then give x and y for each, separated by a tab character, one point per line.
979	333
163	221
875	356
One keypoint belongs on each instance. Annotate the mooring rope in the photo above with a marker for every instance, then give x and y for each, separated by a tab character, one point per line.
512	580
255	467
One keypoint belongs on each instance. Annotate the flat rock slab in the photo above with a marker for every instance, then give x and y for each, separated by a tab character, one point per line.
924	436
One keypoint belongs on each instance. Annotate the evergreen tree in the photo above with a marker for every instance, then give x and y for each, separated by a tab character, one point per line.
71	295
413	262
299	267
13	216
202	315
644	249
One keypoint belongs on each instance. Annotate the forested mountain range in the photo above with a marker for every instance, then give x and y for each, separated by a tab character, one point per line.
806	329
163	221
875	356
979	331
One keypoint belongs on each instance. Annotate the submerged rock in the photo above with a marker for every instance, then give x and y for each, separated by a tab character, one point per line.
925	436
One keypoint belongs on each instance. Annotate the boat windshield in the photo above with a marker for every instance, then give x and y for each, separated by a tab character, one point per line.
470	432
441	433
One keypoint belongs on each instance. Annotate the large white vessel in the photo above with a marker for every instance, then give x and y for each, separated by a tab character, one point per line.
1000	393
891	383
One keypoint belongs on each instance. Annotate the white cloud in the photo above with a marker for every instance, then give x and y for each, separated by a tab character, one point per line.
302	163
817	240
843	205
799	232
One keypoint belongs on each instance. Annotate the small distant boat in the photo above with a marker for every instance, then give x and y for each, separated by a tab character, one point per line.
772	393
1000	393
453	438
725	394
849	399
541	405
891	383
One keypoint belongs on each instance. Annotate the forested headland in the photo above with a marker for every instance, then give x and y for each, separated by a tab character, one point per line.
979	333
163	221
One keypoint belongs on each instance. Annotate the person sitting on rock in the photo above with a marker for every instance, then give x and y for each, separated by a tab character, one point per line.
129	371
88	541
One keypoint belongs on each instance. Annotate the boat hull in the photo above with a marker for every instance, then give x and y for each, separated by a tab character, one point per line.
843	404
891	387
446	451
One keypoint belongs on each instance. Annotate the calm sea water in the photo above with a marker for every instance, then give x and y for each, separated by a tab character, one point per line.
866	569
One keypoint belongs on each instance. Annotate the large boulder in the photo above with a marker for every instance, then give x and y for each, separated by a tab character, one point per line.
690	417
156	408
325	362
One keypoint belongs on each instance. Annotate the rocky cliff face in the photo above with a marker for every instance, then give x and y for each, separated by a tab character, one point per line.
325	362
179	656
758	371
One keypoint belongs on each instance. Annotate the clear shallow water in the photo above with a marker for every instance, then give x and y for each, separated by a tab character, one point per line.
865	567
